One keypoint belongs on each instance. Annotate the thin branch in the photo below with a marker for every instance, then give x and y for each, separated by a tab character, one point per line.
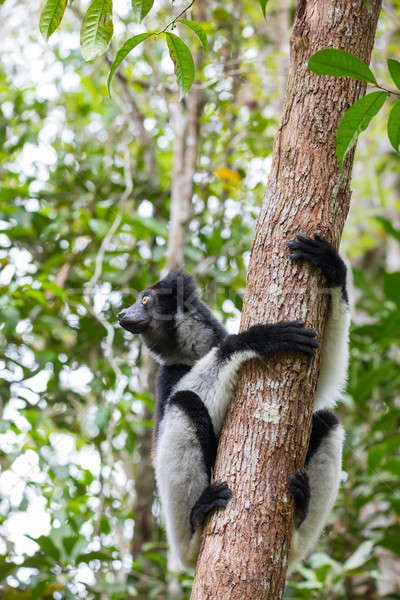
388	90
171	23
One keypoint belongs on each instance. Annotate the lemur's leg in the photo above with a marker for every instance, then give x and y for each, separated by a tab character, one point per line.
335	346
215	495
213	377
186	452
315	493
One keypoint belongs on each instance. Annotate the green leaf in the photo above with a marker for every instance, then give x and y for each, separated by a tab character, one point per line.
124	51
51	16
391	538
94	555
148	225
103	416
105	526
140	9
339	63
47	546
52	287
393	126
99	227
381	451
394	69
388	227
263	4
183	61
392	287
69	542
367	3
392	464
198	30
355	120
97	29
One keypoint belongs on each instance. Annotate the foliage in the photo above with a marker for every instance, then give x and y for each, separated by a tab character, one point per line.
76	244
97	31
339	63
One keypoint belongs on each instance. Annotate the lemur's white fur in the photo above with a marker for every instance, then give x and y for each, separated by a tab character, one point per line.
180	471
323	470
181	478
334	353
214	383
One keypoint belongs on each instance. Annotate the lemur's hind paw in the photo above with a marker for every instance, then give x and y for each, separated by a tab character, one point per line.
299	486
319	252
216	495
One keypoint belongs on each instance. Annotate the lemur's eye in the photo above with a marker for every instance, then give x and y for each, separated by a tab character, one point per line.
145	299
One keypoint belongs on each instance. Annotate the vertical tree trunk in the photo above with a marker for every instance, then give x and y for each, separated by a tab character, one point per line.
264	440
185	118
144	481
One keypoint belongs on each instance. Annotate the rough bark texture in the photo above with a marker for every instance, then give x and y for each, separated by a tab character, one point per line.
245	547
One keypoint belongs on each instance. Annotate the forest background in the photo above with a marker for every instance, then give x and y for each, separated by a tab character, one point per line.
87	183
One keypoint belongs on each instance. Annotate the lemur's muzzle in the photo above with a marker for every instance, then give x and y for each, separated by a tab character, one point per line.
134	319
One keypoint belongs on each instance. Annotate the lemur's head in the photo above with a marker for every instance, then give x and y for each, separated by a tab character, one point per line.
159	309
159	304
175	325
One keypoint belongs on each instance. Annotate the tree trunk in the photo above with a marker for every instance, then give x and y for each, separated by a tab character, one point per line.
245	547
144	481
186	118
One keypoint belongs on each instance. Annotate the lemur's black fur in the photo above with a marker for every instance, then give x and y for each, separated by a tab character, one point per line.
215	495
322	423
167	379
194	408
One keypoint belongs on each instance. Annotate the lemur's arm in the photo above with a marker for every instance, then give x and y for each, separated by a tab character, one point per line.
214	376
335	344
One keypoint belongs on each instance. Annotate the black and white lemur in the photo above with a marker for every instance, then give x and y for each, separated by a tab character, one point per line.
199	367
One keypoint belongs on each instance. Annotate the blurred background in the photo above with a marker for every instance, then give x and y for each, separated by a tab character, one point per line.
90	188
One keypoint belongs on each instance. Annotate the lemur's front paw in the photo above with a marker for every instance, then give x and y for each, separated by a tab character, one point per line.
299	486
321	253
290	336
216	495
269	339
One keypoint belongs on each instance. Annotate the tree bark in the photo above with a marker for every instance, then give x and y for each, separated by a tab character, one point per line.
265	437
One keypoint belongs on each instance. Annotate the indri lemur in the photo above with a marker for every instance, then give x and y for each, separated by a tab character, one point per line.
199	367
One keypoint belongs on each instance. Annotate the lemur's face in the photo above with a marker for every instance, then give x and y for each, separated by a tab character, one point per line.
138	317
157	306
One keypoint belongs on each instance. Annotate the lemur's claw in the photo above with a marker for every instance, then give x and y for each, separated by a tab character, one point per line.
299	486
319	252
216	495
